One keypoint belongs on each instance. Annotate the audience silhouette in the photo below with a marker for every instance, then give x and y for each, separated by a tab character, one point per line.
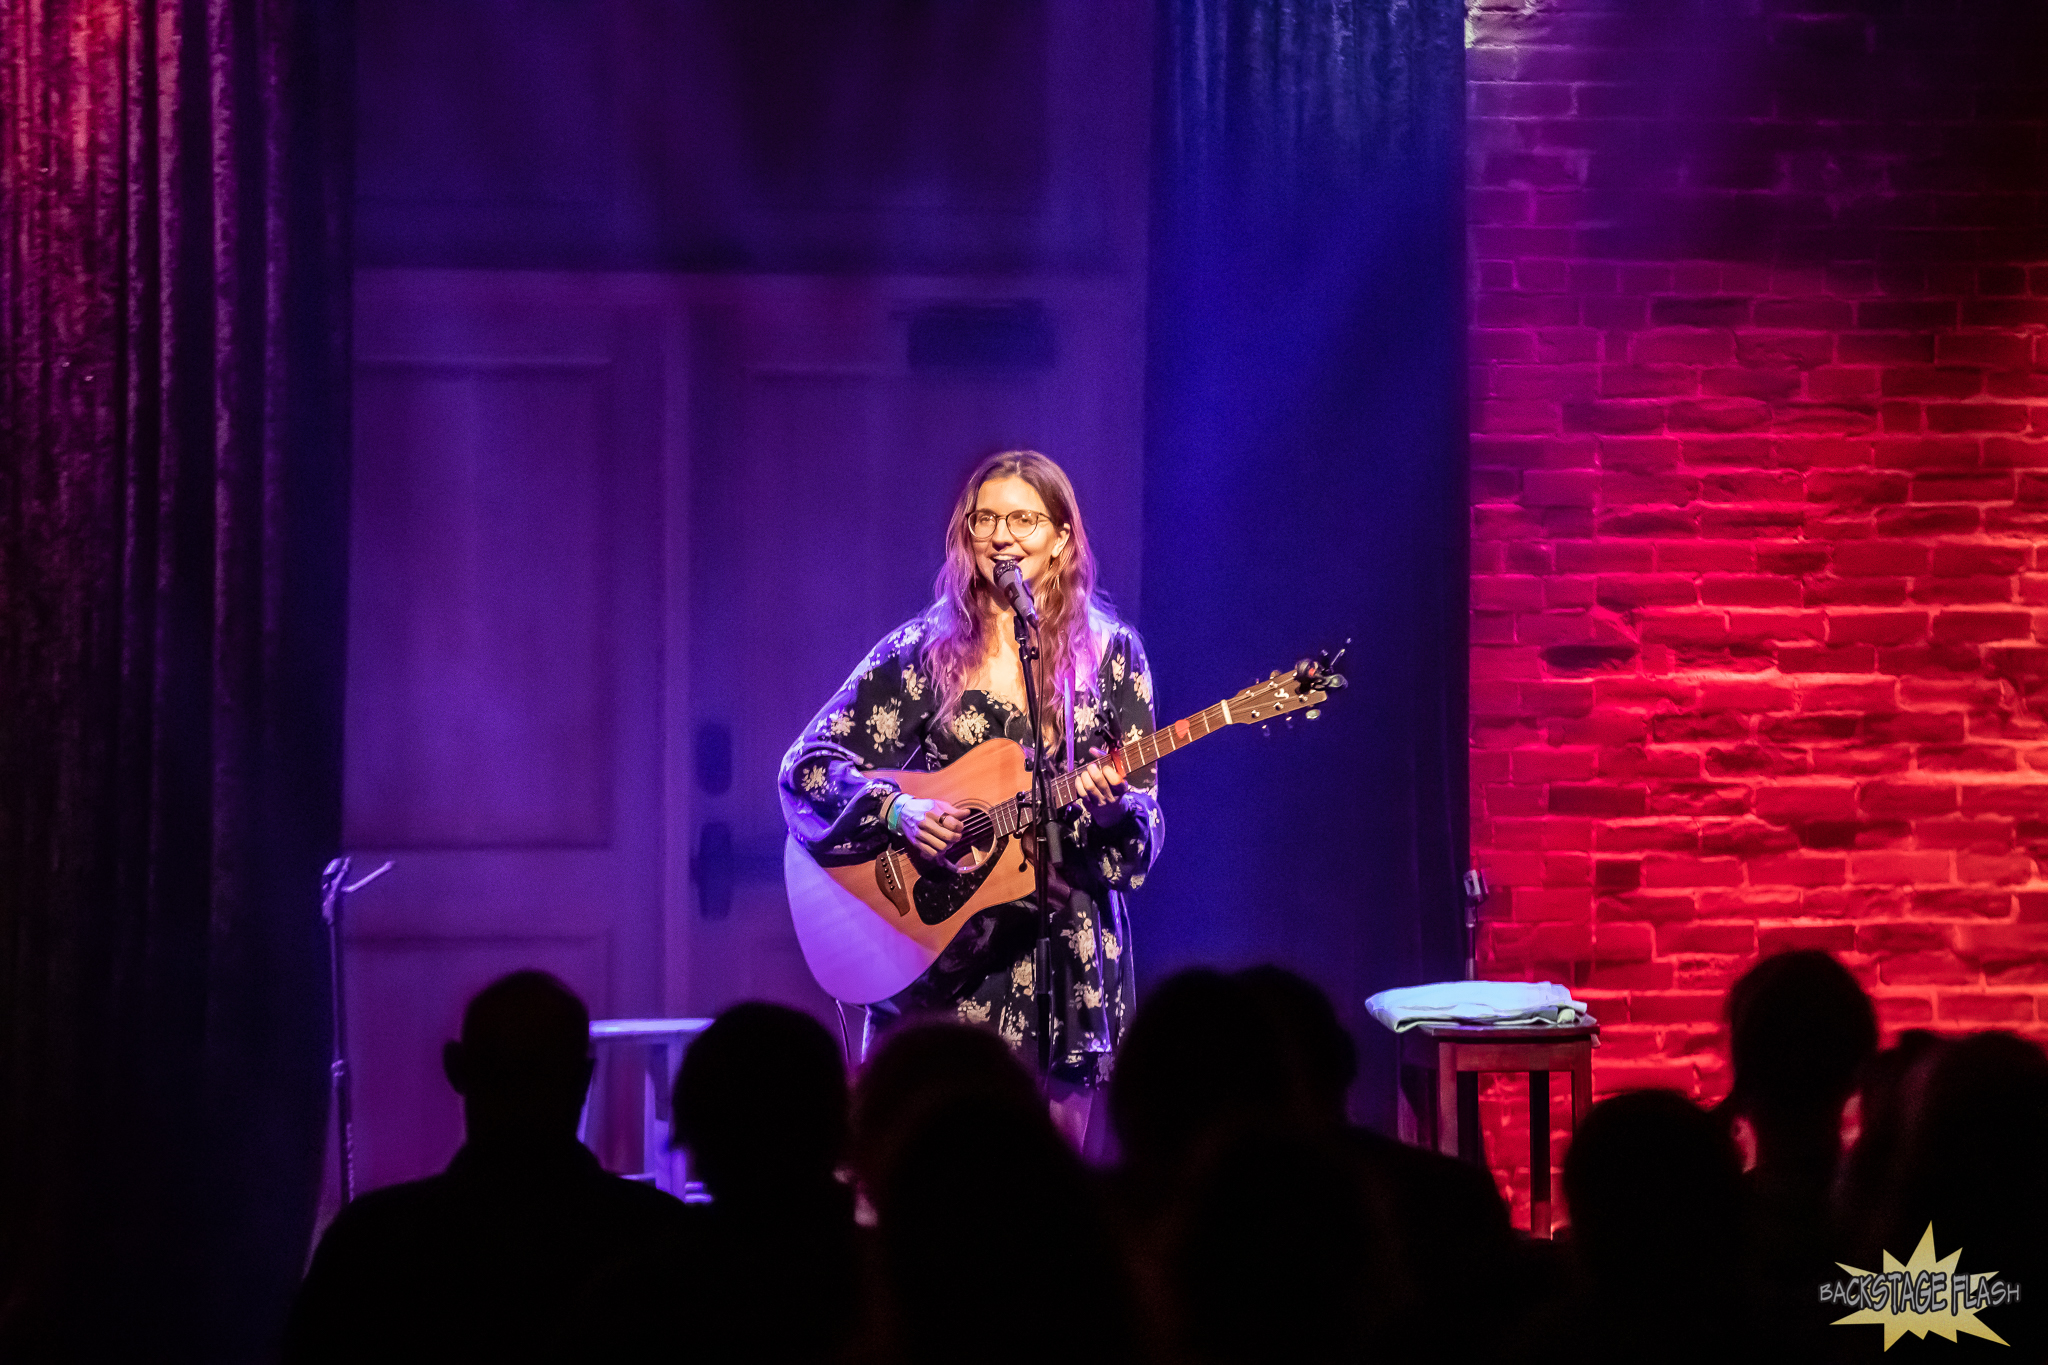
936	1213
1278	1249
1892	1089
1970	1160
919	1066
1800	1032
1653	1184
994	1243
770	1269
1446	1226
488	1260
1201	1056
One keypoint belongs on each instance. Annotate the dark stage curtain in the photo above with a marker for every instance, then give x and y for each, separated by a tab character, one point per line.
172	556
1305	481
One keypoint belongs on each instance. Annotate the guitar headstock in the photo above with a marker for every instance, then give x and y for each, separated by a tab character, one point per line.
1302	688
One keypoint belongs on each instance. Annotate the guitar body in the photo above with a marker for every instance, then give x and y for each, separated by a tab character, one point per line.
870	929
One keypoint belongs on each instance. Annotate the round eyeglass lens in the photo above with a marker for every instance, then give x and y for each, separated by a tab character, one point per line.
1021	524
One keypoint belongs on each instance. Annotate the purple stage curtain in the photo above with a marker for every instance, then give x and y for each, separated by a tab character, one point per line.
1305	482
173	417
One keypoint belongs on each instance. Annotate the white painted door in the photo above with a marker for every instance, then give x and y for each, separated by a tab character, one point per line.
506	648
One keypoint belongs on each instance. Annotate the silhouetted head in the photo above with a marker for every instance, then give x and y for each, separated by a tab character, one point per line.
1886	1100
760	1101
1800	1029
971	1163
523	1064
1202	1054
1973	1157
1321	1049
919	1067
974	1164
1654	1185
1279	1251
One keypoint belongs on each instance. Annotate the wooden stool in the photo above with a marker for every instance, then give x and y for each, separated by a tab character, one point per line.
1429	1110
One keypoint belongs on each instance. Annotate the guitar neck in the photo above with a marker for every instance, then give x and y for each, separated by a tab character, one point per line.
1143	752
1305	686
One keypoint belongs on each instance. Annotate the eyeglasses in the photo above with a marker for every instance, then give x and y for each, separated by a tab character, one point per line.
1022	525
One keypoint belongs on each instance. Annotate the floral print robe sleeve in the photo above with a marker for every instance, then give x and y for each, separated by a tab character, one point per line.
878	719
886	716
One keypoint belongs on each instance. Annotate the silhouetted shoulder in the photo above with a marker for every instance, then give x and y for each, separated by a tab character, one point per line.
381	1227
484	1261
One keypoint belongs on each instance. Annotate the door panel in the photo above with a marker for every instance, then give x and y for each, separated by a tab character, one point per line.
483	711
504	701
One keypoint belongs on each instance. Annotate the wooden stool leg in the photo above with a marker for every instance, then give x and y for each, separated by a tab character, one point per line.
1447	1099
1582	1085
1471	1143
1539	1153
1414	1103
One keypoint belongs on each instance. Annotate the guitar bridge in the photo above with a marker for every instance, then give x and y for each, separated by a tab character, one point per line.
889	877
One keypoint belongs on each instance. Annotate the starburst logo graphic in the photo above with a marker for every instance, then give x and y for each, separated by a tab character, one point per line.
1921	1296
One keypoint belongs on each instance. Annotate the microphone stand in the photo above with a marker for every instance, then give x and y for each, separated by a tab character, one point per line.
1041	805
331	894
334	889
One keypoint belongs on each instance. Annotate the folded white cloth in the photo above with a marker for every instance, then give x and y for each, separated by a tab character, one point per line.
1508	1003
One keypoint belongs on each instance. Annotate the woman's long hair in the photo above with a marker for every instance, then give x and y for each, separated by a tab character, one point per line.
964	617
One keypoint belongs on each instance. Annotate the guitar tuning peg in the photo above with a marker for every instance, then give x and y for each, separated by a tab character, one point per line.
1314	712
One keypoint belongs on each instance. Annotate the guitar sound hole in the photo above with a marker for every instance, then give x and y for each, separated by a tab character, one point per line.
976	843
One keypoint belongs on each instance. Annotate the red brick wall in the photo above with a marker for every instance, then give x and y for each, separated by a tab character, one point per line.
1760	479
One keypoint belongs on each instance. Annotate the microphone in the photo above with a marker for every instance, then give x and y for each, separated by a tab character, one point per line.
1010	578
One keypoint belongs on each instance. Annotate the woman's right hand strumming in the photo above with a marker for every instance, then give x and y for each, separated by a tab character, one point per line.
930	826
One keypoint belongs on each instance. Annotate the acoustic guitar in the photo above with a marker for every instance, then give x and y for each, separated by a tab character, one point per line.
870	926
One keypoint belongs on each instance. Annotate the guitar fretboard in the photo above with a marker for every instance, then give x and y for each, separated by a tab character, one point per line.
1136	756
1143	752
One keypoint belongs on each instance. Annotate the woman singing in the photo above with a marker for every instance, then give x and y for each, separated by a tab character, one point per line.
946	681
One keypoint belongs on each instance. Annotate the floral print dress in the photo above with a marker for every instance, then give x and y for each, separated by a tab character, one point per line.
886	716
